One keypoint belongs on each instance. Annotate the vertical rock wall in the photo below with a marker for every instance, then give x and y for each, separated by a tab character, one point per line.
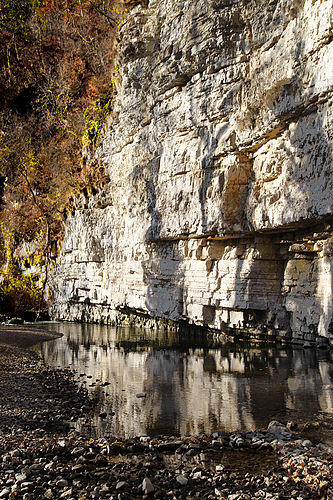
219	208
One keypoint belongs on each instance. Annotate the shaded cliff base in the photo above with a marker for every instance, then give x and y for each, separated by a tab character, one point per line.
257	333
267	286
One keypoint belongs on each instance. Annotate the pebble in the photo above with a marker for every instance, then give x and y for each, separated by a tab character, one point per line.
35	467
182	480
78	450
306	443
125	479
62	483
66	493
104	491
120	485
147	486
278	429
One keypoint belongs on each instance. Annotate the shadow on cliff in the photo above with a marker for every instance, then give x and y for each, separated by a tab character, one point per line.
308	158
260	288
223	187
223	194
162	265
257	286
162	261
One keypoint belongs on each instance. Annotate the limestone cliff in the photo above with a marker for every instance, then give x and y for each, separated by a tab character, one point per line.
219	152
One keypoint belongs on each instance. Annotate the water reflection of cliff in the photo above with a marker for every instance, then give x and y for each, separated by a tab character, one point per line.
195	389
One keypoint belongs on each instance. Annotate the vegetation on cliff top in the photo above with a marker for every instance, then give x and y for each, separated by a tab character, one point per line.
57	60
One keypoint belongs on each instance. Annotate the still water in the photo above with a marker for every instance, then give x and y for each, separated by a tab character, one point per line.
163	383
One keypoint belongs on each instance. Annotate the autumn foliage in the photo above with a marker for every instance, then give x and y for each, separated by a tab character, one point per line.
57	61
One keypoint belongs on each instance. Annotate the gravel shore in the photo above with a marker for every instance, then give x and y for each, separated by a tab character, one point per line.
42	457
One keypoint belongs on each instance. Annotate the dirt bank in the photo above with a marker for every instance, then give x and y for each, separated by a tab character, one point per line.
24	336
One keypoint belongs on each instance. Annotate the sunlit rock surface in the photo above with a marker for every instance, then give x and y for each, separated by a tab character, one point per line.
218	210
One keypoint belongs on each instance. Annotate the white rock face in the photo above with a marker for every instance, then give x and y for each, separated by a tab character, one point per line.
219	151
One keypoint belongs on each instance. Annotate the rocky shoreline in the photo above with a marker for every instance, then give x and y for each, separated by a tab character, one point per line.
41	456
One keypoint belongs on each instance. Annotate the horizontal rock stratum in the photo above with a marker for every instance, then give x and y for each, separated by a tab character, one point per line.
219	207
